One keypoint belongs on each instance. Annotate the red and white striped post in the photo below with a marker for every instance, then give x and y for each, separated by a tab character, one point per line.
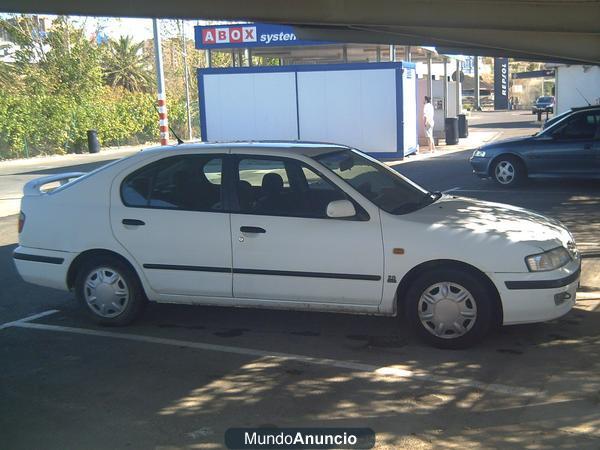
163	121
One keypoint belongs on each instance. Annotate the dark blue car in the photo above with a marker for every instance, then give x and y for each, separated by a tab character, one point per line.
569	147
543	104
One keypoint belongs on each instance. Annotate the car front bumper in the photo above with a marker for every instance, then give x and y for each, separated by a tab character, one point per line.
538	296
480	166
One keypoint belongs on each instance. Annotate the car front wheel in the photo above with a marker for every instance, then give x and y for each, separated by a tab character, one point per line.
110	291
508	171
449	308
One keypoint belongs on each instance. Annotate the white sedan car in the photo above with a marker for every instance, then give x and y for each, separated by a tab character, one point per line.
294	226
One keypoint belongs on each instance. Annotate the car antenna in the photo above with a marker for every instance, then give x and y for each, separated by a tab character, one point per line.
179	140
586	100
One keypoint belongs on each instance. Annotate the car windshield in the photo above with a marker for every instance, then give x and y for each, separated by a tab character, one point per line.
544	100
549	123
382	185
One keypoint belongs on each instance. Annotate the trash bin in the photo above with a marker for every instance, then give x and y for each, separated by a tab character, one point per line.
463	126
451	125
93	144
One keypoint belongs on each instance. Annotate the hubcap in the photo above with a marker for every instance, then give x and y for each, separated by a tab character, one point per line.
505	172
106	292
447	310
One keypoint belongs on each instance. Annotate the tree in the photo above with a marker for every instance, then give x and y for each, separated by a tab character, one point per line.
126	65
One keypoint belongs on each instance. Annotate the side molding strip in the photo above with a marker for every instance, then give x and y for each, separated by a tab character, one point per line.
283	273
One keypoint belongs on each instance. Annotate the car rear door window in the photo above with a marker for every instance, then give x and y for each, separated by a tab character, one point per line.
186	182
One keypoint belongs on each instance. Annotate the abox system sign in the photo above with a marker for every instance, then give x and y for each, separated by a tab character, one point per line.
247	35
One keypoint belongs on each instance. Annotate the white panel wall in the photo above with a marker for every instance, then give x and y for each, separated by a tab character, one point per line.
409	116
250	106
351	107
573	83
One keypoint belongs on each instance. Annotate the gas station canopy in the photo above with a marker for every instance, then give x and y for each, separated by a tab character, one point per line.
546	30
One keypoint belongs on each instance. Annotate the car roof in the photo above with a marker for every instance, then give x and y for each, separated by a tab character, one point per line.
579	108
306	148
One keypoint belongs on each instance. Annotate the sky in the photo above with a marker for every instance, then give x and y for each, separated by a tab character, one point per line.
139	29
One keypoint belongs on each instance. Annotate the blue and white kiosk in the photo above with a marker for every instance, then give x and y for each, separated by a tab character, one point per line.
360	104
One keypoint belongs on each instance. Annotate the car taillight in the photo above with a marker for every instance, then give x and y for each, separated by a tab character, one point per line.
21	221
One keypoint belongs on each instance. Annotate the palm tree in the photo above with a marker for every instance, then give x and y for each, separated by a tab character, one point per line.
126	65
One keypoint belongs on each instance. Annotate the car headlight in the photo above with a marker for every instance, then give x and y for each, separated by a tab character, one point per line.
550	260
479	153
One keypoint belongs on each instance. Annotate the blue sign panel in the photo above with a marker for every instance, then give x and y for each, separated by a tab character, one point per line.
546	73
500	83
244	35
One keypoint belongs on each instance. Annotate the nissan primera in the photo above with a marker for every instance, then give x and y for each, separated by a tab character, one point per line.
300	226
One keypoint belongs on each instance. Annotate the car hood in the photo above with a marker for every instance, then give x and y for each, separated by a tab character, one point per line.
494	222
507	142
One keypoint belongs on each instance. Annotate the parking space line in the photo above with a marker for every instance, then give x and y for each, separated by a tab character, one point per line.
28	319
511	191
389	371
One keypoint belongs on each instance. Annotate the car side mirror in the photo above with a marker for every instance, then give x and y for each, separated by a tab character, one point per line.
340	209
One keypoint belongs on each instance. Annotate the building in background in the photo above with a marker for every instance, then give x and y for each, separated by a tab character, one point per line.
576	85
346	74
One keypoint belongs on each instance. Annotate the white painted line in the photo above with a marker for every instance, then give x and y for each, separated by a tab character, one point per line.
451	190
393	372
27	319
507	191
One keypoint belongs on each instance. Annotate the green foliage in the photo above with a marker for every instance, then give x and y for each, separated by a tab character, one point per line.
126	65
61	84
55	90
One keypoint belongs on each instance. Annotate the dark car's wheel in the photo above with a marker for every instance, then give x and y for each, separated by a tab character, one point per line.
449	308
508	171
109	291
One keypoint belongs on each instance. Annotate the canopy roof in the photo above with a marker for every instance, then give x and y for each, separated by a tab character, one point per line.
550	30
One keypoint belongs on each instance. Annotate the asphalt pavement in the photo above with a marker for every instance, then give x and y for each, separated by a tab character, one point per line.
182	375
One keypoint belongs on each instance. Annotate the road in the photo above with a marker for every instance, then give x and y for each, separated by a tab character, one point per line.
182	375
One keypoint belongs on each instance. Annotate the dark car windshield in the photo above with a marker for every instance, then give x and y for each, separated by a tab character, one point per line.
545	100
382	185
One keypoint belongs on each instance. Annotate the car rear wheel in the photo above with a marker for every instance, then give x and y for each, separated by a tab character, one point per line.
508	171
109	291
449	308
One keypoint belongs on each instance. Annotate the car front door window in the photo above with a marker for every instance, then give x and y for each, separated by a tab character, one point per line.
283	187
581	126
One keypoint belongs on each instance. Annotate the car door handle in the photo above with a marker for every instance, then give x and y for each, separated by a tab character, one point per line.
135	222
252	230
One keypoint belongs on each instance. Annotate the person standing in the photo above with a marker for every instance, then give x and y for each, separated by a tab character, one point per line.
428	123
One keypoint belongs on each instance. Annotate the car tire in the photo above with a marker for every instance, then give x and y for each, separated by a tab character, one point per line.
449	308
508	171
110	291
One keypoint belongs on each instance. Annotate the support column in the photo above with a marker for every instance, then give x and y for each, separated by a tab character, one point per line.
458	93
186	80
429	80
445	87
163	121
476	75
208	57
378	54
392	53
407	56
248	53
345	53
